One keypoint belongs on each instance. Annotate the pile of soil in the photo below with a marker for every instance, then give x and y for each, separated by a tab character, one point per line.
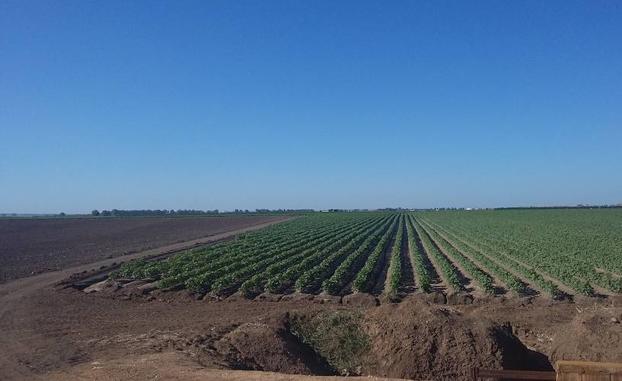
266	346
595	334
413	340
49	330
416	339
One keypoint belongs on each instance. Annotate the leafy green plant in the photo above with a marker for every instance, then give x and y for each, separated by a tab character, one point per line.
336	336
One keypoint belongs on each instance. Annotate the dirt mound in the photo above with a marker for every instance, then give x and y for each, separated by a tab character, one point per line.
594	334
269	347
415	339
360	299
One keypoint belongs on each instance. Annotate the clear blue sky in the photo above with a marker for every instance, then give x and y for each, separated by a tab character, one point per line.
308	104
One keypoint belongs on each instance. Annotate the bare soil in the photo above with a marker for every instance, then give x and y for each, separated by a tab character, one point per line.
34	245
54	332
175	366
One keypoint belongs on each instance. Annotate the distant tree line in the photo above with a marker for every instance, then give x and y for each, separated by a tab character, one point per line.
189	212
152	212
580	206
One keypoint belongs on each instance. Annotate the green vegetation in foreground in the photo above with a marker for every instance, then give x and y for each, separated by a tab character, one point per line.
336	336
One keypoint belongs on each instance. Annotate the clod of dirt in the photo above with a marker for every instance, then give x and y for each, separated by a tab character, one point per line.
590	336
147	288
459	298
324	299
360	300
105	285
297	296
133	288
415	339
268	297
134	284
436	298
269	347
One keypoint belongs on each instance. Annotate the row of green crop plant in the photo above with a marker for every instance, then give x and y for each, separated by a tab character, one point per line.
492	263
448	271
576	273
311	280
577	247
529	272
256	284
531	261
307	268
483	279
353	263
234	280
423	276
194	259
366	277
592	237
191	259
202	276
305	233
179	268
394	272
220	280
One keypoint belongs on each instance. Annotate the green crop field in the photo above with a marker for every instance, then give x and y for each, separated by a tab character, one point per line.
557	253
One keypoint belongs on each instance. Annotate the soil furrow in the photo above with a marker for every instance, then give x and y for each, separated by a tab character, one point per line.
407	285
437	284
500	286
468	283
384	265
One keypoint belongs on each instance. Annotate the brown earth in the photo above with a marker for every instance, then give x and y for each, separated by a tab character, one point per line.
68	334
33	245
49	332
174	366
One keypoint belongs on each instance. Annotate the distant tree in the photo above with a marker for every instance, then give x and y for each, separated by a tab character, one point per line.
95	212
62	214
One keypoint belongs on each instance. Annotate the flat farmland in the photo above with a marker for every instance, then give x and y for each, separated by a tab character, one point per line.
29	246
554	253
435	293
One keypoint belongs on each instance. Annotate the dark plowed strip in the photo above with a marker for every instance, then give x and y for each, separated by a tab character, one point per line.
384	264
436	283
408	273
